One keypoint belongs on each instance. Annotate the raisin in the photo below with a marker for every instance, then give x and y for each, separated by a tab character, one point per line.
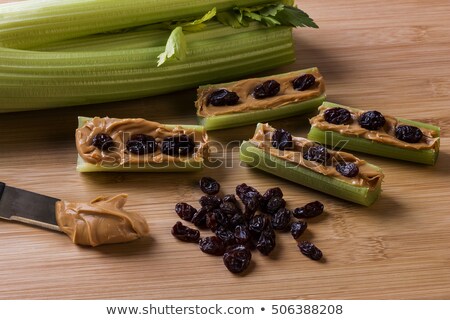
243	189
209	185
180	145
348	169
272	192
258	223
210	201
250	198
310	250
372	120
236	219
269	194
216	219
297	228
281	219
223	97
304	82
199	218
318	154
230	198
310	210
408	134
266	242
274	204
242	234
230	208
225	235
185	211
237	258
282	139
185	233
337	116
267	89
103	141
141	144
212	245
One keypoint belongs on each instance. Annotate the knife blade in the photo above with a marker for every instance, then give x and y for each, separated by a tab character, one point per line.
28	207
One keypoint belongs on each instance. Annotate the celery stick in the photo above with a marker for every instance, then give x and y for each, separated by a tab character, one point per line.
33	80
247	117
256	157
335	139
185	165
32	23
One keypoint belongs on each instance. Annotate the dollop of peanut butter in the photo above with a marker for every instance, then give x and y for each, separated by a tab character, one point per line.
368	175
244	89
121	130
385	135
101	221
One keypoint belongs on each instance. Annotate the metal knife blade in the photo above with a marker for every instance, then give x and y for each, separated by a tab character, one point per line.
28	207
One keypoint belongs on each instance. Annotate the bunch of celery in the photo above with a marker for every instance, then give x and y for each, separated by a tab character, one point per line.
57	53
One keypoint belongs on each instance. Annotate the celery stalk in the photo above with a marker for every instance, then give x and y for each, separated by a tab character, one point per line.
32	23
33	80
257	158
182	166
60	53
336	139
242	118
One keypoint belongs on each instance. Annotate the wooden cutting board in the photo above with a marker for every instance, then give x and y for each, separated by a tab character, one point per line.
392	56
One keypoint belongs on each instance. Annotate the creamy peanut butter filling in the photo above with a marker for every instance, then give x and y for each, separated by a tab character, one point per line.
386	134
101	221
368	176
244	89
121	131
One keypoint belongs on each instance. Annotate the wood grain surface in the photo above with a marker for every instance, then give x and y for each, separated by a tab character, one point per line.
392	56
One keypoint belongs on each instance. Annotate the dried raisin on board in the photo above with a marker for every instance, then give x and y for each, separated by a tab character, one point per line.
310	250
209	185
185	233
185	211
237	258
310	210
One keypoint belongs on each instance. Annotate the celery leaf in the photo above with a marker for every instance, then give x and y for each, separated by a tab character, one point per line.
229	18
292	16
176	47
198	24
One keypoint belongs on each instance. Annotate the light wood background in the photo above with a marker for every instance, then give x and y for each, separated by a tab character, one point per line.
390	55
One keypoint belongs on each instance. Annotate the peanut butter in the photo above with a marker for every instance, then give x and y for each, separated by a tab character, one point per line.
368	176
244	89
121	131
385	135
101	221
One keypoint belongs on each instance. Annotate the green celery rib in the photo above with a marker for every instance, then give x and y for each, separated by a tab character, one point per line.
257	158
144	37
32	80
185	166
28	24
240	119
336	139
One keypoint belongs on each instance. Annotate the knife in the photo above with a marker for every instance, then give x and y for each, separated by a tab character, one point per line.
28	207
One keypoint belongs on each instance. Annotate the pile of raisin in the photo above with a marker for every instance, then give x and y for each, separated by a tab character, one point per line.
177	145
242	222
